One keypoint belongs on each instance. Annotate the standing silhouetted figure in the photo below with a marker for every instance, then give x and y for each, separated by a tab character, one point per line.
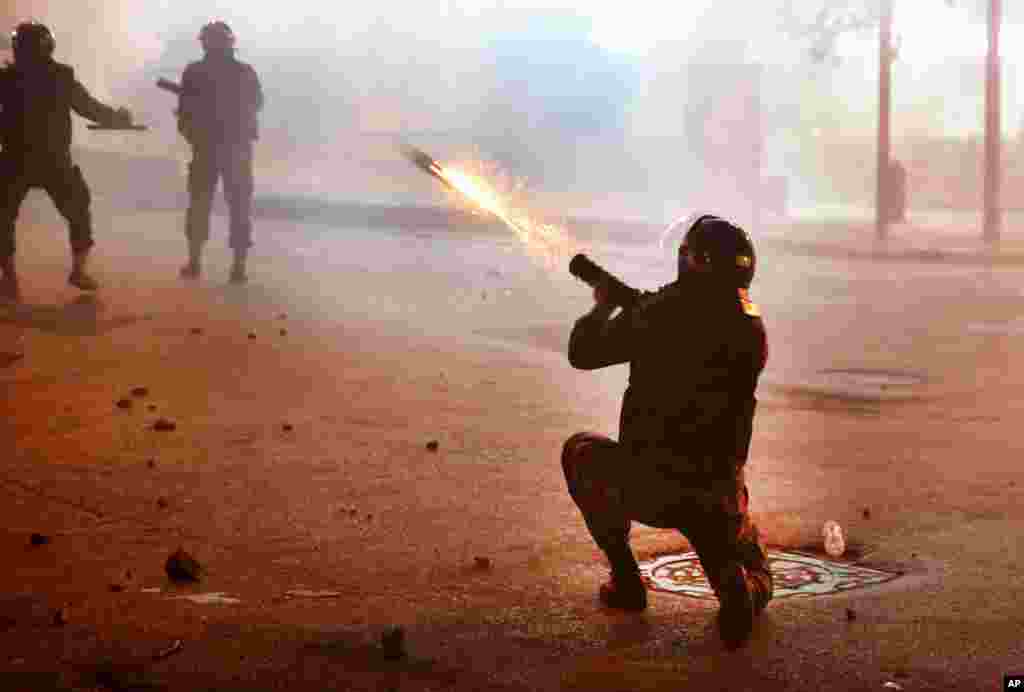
217	114
37	95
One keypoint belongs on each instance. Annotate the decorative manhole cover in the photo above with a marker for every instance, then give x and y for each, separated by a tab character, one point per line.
795	574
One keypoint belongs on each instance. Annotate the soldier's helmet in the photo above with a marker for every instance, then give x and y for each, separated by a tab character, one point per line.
33	41
217	36
722	247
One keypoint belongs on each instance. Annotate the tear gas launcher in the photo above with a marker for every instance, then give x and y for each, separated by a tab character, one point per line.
592	274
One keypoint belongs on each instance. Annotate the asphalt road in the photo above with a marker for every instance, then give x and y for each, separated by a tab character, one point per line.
892	388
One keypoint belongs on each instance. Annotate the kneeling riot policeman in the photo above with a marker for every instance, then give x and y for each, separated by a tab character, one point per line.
696	349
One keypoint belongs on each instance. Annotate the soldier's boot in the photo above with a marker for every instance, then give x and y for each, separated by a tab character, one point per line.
738	606
80	277
625	589
193	268
238	275
9	288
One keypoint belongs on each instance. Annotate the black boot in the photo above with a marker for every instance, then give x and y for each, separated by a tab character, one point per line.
9	288
625	590
80	277
193	269
238	275
737	606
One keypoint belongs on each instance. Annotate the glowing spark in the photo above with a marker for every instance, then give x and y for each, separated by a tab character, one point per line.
547	239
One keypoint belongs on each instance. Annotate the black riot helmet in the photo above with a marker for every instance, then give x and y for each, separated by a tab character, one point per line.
32	41
217	38
722	248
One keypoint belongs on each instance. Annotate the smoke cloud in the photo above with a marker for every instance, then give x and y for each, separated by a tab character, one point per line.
593	107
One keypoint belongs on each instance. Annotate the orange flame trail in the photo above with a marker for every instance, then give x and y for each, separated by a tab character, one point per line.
549	241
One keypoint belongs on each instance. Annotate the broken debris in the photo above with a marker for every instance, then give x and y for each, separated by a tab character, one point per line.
393	643
140	391
164	425
432	445
124	403
482	563
181	566
169	651
308	593
39	539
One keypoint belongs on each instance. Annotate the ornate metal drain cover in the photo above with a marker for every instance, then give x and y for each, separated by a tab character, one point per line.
795	574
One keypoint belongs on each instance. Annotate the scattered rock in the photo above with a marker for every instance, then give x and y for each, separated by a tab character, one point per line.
39	539
140	391
151	463
287	427
151	407
369	517
196	330
161	502
1013	484
393	643
252	335
164	425
128	575
432	446
866	513
124	403
283	332
282	316
352	512
309	593
60	617
169	651
181	566
851	615
482	563
116	588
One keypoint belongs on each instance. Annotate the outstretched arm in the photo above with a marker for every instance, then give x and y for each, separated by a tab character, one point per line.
83	103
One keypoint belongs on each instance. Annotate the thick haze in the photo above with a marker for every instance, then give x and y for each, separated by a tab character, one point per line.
593	107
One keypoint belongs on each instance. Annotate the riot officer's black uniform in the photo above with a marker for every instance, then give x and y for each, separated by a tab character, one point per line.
696	349
217	114
37	96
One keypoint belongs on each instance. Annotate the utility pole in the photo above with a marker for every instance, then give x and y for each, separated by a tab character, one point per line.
885	56
993	130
